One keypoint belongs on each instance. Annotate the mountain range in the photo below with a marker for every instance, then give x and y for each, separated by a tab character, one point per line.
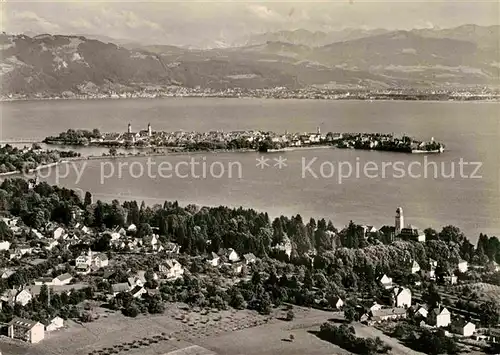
468	55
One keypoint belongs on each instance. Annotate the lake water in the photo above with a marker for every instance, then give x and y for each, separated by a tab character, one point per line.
470	131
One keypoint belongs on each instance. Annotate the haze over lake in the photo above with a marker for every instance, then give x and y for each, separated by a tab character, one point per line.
470	131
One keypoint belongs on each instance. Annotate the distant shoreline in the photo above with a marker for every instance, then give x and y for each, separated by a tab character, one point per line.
385	99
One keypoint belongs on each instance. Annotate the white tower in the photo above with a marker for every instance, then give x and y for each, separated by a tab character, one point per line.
129	130
399	221
150	132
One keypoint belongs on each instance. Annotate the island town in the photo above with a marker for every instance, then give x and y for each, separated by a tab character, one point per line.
263	141
147	278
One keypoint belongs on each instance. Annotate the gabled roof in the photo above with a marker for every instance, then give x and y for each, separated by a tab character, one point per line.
384	312
64	277
21	322
121	287
249	256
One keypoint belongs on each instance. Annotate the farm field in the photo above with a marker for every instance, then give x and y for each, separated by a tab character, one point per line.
185	332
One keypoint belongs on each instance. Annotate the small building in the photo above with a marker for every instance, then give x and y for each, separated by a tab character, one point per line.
23	297
172	248
4	245
120	287
138	291
213	259
63	279
386	282
421	312
337	302
55	324
386	314
249	258
26	330
412	233
463	327
232	255
439	317
450	279
462	266
415	267
402	297
172	269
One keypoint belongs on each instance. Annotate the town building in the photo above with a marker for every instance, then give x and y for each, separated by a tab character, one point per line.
26	330
462	327
172	269
386	314
462	266
402	297
337	302
54	324
439	317
232	255
249	258
386	282
415	267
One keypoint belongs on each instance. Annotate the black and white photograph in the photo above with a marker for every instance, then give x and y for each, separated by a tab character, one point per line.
244	177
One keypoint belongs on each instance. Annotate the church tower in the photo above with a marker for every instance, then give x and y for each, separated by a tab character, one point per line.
150	132
129	129
399	221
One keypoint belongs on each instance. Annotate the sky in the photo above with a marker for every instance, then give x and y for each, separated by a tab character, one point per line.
192	22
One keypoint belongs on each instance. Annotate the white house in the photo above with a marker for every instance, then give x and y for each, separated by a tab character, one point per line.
23	298
4	245
462	266
386	282
439	318
172	269
433	263
402	297
337	302
386	314
26	330
415	267
55	324
63	279
232	256
58	233
6	273
51	244
463	327
213	259
422	311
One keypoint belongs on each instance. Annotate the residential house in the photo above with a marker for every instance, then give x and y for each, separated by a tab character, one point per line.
50	244
4	245
100	260
132	228
439	317
450	279
386	282
249	258
135	281
63	279
6	273
59	233
23	297
462	266
151	242
412	233
402	297
337	302
138	291
172	269
463	327
26	330
433	263
415	267
285	246
23	249
236	267
120	287
54	324
232	256
172	248
213	259
421	312
386	314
